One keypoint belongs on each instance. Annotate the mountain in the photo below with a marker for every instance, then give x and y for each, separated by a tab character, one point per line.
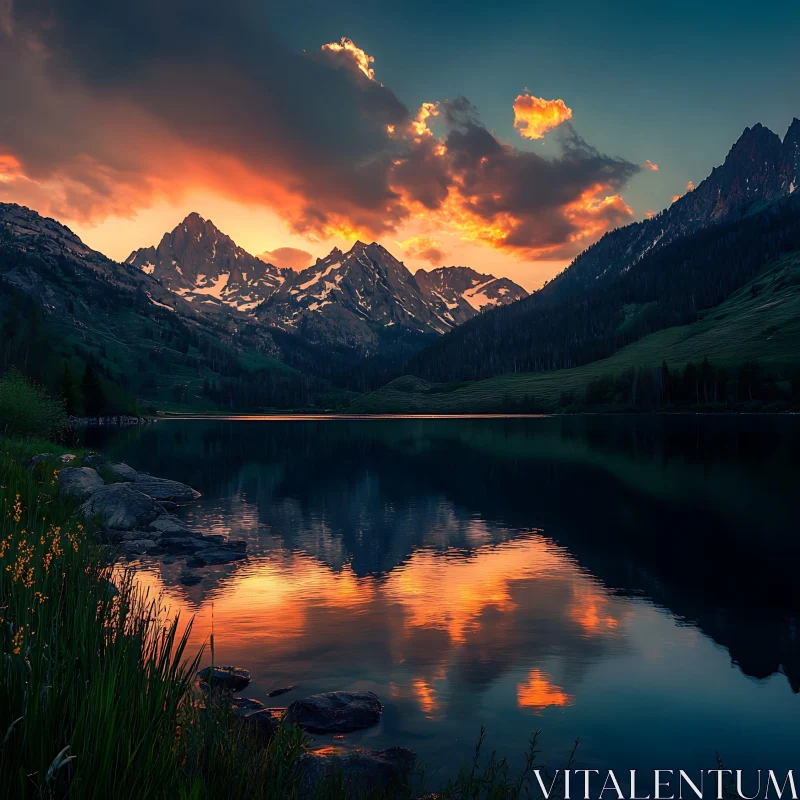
204	266
466	292
644	277
63	304
361	299
365	295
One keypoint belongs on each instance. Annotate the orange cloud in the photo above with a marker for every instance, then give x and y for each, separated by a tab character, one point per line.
355	53
424	248
359	165
689	188
534	116
288	258
650	213
418	125
648	164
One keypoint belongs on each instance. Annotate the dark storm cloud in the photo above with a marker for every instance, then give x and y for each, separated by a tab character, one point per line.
117	103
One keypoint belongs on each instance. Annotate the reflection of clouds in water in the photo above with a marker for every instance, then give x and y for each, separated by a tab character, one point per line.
440	623
539	692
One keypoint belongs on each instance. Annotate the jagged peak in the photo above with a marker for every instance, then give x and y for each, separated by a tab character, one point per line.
793	133
756	137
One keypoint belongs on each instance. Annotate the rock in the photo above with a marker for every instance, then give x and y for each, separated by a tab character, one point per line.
137	547
112	537
121	506
163	489
78	483
121	471
362	772
196	561
66	458
246	704
262	721
219	556
94	460
335	712
189	578
282	690
170	525
129	536
233	679
210	539
178	545
39	458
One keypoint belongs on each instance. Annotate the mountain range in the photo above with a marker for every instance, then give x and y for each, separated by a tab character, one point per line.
198	321
644	277
350	299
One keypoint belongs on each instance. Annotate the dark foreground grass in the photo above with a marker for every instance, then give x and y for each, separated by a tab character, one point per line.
97	696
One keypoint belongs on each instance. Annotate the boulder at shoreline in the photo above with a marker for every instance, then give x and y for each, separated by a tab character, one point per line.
335	712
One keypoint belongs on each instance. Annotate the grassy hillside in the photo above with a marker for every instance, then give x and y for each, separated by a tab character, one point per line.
761	321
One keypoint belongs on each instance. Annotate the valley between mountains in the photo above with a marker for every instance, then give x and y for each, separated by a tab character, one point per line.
196	323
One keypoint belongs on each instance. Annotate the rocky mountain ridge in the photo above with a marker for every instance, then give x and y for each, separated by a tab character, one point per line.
759	168
204	266
350	299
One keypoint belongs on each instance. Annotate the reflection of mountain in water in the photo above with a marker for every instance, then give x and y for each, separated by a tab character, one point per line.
695	514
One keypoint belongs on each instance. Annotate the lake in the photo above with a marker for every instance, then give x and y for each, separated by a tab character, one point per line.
627	580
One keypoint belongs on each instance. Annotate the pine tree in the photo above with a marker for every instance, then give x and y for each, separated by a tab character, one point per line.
94	397
69	391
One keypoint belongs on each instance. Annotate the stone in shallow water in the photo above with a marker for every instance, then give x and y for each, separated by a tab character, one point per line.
362	772
282	690
78	483
170	525
234	679
219	556
335	712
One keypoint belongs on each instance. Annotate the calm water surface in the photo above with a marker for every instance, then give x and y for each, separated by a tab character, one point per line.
628	581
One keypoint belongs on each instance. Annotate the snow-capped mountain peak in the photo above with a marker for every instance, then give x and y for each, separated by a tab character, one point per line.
205	266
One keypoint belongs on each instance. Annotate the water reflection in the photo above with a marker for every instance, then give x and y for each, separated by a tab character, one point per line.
585	571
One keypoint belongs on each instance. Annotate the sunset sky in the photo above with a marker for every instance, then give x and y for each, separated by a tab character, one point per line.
504	136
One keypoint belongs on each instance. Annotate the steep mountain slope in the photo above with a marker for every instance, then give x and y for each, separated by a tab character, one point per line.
759	322
366	296
644	277
466	292
348	299
63	303
204	266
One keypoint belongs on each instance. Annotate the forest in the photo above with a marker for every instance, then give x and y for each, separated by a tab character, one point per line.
575	320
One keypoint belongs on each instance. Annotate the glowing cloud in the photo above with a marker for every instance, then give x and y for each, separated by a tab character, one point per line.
355	53
288	257
419	125
356	164
534	116
424	248
650	165
689	188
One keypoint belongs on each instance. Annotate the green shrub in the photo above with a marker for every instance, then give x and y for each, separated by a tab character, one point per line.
26	408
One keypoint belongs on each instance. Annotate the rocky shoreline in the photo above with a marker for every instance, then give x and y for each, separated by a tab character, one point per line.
118	420
132	511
